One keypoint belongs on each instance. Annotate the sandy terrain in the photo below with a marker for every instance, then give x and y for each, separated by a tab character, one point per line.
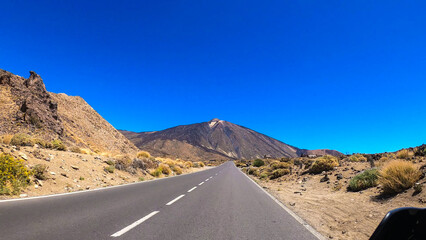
68	171
331	209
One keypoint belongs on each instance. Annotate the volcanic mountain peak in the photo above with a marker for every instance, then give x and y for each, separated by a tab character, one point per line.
215	139
212	123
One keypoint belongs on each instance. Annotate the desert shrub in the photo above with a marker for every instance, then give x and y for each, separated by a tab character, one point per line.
253	171
357	158
40	171
138	163
76	149
109	169
258	163
285	159
279	165
177	169
420	151
42	143
110	162
141	179
165	169
58	145
418	188
398	175
240	164
81	178
156	172
404	154
143	154
364	180
324	163
263	176
21	139
188	164
123	162
170	162
382	161
279	173
13	175
201	164
6	139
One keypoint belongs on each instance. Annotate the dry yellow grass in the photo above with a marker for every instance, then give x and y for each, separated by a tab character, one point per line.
404	154
177	170
201	164
382	161
165	169
398	175
357	158
188	164
6	139
143	154
324	163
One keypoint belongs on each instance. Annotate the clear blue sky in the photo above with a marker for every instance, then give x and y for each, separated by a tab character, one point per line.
344	75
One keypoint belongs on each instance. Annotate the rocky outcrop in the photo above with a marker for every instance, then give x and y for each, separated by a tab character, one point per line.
37	109
27	107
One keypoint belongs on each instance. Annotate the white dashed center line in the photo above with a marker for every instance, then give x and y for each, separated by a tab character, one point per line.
174	200
201	184
192	189
128	228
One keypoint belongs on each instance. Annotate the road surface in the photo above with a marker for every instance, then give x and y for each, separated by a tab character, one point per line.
219	203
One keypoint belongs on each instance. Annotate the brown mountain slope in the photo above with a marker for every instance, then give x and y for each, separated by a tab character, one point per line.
84	126
26	107
215	139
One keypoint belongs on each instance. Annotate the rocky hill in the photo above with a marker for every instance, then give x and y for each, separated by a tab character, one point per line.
216	139
27	107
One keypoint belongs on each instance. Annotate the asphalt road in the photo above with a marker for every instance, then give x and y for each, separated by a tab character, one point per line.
219	203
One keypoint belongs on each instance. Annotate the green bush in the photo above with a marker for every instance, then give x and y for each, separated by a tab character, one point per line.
324	163
258	163
13	175
58	145
110	162
21	139
109	169
279	173
40	171
364	180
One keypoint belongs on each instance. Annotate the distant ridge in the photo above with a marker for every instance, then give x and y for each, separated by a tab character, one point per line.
215	139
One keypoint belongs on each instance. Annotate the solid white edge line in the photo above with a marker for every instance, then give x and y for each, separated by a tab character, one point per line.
101	188
128	228
174	200
294	215
201	183
192	189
